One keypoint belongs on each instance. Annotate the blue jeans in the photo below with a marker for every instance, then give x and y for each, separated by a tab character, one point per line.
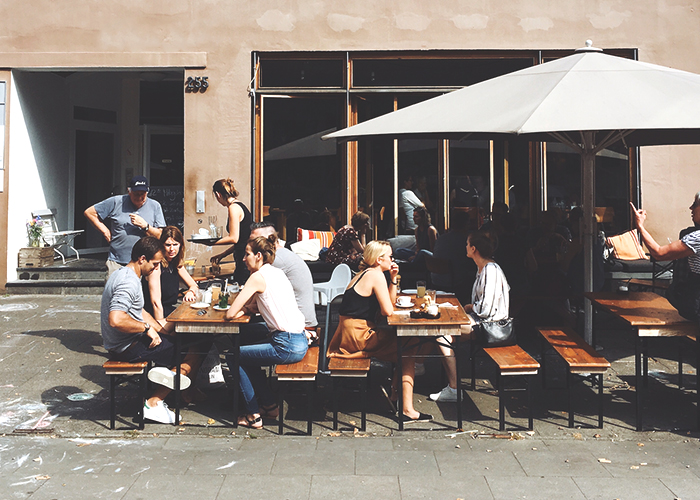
280	349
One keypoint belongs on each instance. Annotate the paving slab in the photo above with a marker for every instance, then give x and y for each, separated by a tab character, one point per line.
355	487
626	489
440	488
328	462
535	488
176	487
462	463
275	487
83	486
391	463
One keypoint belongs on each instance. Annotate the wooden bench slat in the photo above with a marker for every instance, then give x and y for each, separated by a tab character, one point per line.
512	359
351	365
124	364
307	366
574	350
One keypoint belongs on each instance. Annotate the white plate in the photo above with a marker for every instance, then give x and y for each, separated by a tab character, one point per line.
199	305
410	304
216	307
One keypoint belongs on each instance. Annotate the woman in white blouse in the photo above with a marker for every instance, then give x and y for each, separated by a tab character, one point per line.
490	302
269	292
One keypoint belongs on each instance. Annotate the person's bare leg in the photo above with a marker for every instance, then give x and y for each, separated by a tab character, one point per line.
449	361
409	370
159	394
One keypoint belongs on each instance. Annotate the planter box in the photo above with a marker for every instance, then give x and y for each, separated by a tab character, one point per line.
35	257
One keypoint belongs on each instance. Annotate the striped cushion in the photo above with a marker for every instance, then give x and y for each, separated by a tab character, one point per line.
326	237
626	246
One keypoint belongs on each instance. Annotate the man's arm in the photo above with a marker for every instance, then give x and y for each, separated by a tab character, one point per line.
672	251
94	219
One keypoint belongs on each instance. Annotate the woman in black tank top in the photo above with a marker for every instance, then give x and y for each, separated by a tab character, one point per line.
237	225
368	297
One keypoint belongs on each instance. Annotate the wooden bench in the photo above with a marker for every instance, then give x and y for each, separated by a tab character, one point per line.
302	371
350	368
580	358
513	361
119	372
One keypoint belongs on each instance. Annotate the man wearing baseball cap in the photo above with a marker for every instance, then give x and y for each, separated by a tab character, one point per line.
684	292
125	219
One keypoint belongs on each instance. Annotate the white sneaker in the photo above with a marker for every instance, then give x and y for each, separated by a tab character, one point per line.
164	376
420	369
447	395
159	413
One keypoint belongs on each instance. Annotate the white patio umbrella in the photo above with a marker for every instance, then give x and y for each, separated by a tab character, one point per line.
588	101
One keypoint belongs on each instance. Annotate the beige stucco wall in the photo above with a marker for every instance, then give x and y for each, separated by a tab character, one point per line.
220	34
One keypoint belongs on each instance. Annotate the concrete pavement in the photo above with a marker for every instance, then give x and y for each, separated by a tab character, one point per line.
53	446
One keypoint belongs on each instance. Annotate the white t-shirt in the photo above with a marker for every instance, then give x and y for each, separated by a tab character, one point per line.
409	202
490	294
277	304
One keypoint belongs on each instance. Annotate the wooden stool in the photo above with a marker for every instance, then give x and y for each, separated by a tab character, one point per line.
119	372
580	358
302	371
350	368
512	361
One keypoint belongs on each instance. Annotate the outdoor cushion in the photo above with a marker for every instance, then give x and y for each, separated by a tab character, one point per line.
626	246
326	237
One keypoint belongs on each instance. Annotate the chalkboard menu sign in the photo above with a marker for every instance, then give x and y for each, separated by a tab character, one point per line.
172	199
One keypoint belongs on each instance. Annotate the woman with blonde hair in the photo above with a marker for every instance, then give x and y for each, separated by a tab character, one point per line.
237	225
367	297
269	292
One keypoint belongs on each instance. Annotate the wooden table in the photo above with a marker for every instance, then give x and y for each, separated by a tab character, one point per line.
227	270
648	315
206	321
449	323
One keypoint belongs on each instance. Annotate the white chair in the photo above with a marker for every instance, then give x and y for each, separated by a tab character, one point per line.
55	238
325	292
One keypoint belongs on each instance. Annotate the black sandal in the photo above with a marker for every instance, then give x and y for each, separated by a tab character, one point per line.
250	422
422	417
270	411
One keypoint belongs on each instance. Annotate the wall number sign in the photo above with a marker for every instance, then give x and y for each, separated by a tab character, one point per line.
197	84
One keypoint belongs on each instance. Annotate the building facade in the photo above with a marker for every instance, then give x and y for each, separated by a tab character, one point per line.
189	92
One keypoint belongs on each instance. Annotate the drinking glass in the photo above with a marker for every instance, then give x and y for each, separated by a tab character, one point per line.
420	289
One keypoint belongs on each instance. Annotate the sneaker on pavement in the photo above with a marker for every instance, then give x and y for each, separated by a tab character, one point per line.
420	369
164	376
159	413
447	395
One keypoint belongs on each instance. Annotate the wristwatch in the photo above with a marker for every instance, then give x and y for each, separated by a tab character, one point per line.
148	226
146	328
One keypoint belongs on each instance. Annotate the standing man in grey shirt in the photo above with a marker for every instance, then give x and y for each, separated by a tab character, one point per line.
130	217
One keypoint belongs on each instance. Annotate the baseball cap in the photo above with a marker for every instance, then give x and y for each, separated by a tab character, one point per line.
138	183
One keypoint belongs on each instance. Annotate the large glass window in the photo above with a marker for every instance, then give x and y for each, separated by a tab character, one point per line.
303	175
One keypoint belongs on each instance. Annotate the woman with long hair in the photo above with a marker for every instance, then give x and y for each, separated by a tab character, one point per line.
368	296
162	287
269	292
490	302
237	225
349	242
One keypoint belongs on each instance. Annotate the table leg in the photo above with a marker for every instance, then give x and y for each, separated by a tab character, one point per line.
645	359
236	376
697	378
459	382
178	360
399	375
638	381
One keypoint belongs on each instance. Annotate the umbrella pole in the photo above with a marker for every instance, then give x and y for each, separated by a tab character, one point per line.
589	228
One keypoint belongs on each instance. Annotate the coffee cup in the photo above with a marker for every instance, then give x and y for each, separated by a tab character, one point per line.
403	301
